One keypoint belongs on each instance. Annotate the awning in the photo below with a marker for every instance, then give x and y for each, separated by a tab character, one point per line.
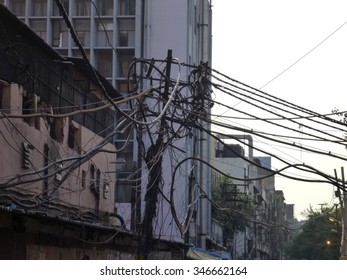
201	254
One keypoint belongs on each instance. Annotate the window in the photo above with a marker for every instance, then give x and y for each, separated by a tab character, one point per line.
127	153
82	8
40	8
84	179
124	189
56	11
18	7
123	38
105	33
105	7
59	34
74	137
40	28
81	37
127	38
126	33
82	28
57	129
97	181
104	58
92	177
127	7
125	58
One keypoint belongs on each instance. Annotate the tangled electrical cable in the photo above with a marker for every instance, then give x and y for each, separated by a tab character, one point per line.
170	110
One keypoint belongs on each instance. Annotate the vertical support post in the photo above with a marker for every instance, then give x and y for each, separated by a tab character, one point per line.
153	158
167	74
344	218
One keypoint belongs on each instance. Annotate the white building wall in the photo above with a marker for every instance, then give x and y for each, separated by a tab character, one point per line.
174	25
166	28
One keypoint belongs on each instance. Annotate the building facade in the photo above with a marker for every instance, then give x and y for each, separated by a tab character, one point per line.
263	238
184	27
105	28
57	186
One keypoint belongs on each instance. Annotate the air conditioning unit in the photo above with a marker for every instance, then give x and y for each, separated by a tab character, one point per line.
26	155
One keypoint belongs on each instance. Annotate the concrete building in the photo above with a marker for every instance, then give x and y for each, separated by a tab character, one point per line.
252	176
106	29
264	204
56	194
279	234
185	28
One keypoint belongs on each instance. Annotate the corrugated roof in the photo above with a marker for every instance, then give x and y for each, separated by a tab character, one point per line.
82	66
26	32
58	218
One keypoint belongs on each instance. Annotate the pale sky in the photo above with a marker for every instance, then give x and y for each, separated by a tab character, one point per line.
305	41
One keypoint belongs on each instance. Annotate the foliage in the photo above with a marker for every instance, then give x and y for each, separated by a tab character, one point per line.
231	207
342	116
312	242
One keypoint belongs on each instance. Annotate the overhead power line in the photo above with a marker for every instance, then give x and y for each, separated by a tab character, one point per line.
305	55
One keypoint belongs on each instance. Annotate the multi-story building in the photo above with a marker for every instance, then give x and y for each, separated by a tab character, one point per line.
106	29
252	176
109	31
57	153
279	233
264	203
185	28
113	33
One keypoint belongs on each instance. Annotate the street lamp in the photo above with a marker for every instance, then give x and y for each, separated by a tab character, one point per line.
333	220
338	223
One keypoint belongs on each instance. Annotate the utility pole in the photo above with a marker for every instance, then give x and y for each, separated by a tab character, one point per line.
344	218
153	159
343	203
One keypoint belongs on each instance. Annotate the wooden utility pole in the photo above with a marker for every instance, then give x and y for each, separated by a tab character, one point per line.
153	159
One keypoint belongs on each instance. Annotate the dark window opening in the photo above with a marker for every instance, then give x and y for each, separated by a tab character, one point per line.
82	8
84	179
57	130
91	176
46	171
124	188
40	7
18	7
127	7
105	7
74	137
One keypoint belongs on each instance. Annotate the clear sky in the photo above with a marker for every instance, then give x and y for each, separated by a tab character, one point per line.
293	49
